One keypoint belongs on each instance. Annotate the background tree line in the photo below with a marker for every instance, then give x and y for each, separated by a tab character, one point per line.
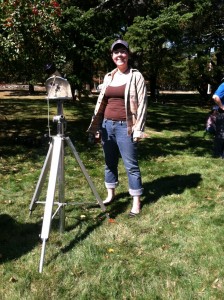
174	43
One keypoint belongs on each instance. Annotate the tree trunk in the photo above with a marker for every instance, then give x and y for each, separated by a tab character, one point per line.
31	89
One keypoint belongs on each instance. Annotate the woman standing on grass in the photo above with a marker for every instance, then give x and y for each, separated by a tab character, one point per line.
120	115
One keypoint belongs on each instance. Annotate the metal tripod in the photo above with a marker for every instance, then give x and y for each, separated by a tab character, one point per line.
54	164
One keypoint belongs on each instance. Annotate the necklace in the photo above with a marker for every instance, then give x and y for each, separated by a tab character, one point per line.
122	73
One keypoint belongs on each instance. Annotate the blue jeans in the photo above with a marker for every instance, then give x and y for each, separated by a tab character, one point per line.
117	143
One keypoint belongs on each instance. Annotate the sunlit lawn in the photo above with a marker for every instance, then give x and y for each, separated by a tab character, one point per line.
173	250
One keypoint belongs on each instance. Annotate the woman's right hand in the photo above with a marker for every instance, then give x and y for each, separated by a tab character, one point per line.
94	138
98	137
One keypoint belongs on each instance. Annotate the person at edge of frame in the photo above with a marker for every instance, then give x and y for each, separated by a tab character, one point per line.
119	121
210	122
218	98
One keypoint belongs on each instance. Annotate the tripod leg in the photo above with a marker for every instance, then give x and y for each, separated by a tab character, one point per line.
99	200
42	256
42	178
61	189
57	143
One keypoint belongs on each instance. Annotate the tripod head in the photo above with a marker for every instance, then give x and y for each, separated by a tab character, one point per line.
58	88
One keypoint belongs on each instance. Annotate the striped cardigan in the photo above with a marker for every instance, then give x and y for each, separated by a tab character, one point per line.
135	104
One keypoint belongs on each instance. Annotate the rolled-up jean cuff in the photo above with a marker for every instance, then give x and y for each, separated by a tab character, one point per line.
138	192
111	185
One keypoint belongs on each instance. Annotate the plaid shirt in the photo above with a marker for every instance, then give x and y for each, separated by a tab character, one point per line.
135	104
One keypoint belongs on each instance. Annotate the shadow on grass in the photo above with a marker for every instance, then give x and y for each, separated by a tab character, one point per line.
177	145
156	189
81	234
119	207
183	98
169	185
16	239
24	124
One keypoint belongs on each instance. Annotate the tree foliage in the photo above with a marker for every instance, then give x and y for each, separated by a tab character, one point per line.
156	39
29	35
171	41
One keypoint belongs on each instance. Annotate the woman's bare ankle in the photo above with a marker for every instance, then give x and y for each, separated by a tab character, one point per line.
110	196
136	206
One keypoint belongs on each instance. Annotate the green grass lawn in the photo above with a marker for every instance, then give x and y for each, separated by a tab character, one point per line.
173	250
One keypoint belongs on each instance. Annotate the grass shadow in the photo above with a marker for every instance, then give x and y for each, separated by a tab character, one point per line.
27	130
169	185
16	239
176	145
118	207
80	235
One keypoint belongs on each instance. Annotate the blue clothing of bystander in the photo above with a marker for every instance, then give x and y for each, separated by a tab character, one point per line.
220	92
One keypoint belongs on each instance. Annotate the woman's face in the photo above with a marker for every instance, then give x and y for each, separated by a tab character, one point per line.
120	57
